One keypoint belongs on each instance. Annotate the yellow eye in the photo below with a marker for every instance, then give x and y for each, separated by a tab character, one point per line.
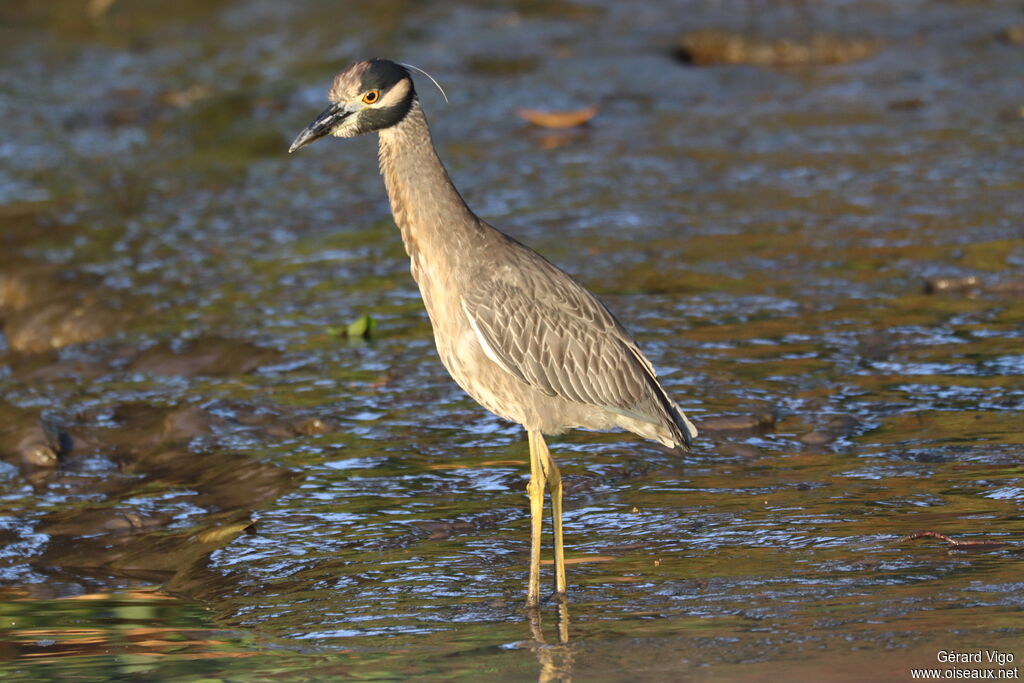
371	96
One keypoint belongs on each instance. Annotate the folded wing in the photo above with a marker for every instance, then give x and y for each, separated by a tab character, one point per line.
547	330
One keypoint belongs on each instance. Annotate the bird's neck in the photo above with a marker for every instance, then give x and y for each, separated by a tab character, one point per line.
429	211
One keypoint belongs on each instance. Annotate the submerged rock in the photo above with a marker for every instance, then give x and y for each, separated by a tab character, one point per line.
939	285
838	426
1009	286
43	444
816	438
313	426
46	307
1014	35
132	429
91	521
206	495
61	323
757	423
709	47
31	439
208	356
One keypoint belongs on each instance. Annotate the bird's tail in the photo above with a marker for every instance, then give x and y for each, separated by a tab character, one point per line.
686	429
682	430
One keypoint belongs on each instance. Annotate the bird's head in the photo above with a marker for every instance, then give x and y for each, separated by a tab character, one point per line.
365	97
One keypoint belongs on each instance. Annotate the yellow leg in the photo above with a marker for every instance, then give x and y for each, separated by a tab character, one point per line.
536	490
554	482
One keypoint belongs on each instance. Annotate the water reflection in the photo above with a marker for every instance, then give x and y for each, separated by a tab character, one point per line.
555	660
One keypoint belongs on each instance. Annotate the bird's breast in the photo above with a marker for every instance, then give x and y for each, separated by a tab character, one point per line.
462	353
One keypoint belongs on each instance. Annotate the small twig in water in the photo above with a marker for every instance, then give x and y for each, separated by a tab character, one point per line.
953	543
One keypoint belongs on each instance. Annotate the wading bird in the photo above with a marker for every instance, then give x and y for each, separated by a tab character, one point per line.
519	335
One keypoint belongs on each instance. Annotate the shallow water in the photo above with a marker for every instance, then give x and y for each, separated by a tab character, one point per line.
240	493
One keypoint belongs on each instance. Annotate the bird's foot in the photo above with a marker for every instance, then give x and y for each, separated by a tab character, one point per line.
557	598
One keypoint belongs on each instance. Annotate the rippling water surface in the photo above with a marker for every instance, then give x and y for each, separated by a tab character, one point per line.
202	478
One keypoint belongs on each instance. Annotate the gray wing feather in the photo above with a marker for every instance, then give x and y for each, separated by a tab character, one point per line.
551	333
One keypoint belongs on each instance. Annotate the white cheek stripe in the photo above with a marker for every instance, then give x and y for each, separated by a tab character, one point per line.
488	351
395	95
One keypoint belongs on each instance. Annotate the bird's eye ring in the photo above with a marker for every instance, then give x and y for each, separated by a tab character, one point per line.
371	96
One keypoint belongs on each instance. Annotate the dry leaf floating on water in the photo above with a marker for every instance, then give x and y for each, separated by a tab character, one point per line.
558	119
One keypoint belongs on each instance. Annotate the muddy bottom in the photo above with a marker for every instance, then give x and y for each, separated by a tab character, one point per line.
815	234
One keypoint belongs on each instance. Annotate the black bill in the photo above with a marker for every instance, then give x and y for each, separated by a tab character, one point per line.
322	125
